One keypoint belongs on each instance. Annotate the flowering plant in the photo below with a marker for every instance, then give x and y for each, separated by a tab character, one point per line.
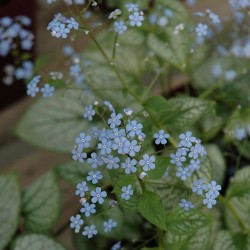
152	159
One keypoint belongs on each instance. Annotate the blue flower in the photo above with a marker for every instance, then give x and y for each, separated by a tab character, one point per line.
120	27
75	70
147	162
186	140
161	137
95	160
134	128
47	90
213	188
116	246
240	133
88	209
78	155
195	151
194	165
72	23
89	112
177	159
199	187
94	176
127	192
201	30
76	222
114	120
129	165
119	145
186	205
132	7
105	147
98	195
111	162
83	140
210	200
89	231
136	19
109	105
60	30
131	148
81	188
230	75
117	133
183	173
32	88
108	225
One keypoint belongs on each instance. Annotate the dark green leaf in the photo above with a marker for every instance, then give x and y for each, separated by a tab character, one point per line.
9	208
151	208
181	222
161	165
41	203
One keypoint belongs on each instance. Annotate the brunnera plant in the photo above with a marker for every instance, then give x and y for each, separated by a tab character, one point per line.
156	164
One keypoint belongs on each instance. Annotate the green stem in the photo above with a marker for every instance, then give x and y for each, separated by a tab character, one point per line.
232	210
209	91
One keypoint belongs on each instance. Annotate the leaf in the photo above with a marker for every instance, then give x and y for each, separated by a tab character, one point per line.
36	242
41	203
228	241
73	172
54	123
181	222
151	208
9	208
217	161
177	112
161	165
240	185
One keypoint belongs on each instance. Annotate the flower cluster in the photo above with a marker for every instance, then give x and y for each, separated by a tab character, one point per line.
33	89
14	36
162	19
218	72
135	18
60	26
187	162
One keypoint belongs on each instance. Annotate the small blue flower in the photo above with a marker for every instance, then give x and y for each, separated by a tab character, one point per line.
216	70
195	151
32	88
108	225
230	75
78	155
199	187
83	140
81	188
183	173
119	145
89	231
177	159
186	205
72	23
129	165
240	133
147	163
76	222
161	137
60	30
136	19
95	160
109	105
134	128
131	148
117	133
47	90
112	162
98	195
210	200
105	146
132	7
127	192
116	246
114	120
120	27
88	209
201	30
186	140
213	188
94	176
75	70
194	165
89	112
